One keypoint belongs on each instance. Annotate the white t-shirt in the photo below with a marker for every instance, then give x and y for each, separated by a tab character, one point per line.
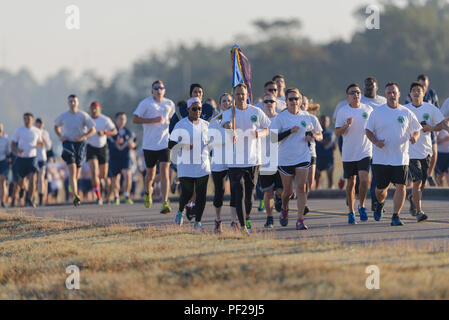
42	151
312	147
294	149
74	124
4	148
432	115
445	108
244	153
193	163
339	105
155	135
395	126
373	102
102	123
443	147
280	105
27	139
218	145
356	145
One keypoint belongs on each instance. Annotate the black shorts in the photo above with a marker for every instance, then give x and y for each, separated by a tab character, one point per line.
290	170
272	181
418	169
442	163
384	175
101	154
153	157
117	164
351	168
74	152
324	163
4	167
25	166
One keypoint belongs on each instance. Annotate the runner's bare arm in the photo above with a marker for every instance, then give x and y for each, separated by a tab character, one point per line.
371	137
139	120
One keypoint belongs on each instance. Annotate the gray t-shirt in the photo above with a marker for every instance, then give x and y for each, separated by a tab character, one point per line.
74	124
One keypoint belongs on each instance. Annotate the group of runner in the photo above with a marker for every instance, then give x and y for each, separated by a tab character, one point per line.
271	144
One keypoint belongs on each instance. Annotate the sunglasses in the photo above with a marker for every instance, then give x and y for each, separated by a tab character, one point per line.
355	92
272	90
293	99
195	109
158	87
269	101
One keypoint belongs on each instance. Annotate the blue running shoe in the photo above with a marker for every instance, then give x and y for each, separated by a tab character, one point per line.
351	218
363	214
379	211
179	218
395	221
198	227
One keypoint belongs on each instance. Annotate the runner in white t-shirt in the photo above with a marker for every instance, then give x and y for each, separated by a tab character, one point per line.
391	128
154	113
357	149
4	166
445	108
192	160
97	148
291	128
24	143
431	119
218	166
42	183
442	168
280	82
249	124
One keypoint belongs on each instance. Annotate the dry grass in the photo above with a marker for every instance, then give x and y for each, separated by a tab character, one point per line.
122	262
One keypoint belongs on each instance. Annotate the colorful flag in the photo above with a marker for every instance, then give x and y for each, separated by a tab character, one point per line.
241	70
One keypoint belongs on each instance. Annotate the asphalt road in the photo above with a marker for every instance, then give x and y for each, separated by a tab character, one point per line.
327	219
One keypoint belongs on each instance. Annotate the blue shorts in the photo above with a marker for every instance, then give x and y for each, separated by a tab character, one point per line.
324	163
25	166
74	152
4	167
117	164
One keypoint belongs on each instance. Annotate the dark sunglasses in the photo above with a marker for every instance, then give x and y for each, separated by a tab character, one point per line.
158	87
293	99
355	92
269	101
272	90
194	109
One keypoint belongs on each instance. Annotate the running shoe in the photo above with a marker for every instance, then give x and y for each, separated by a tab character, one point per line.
148	200
234	225
244	231
421	216
277	203
198	227
413	211
363	214
179	218
76	201
165	208
306	210
373	205
351	218
300	225
218	227
431	181
379	211
190	213
395	221
261	206
128	200
341	184
269	224
29	203
3	205
100	202
117	201
248	223
283	218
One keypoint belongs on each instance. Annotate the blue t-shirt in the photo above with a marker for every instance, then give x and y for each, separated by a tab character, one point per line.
114	152
325	148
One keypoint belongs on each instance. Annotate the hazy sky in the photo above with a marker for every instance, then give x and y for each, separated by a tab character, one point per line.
115	33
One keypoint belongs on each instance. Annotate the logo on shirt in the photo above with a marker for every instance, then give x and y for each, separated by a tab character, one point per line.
401	119
254	119
365	115
426	116
303	123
